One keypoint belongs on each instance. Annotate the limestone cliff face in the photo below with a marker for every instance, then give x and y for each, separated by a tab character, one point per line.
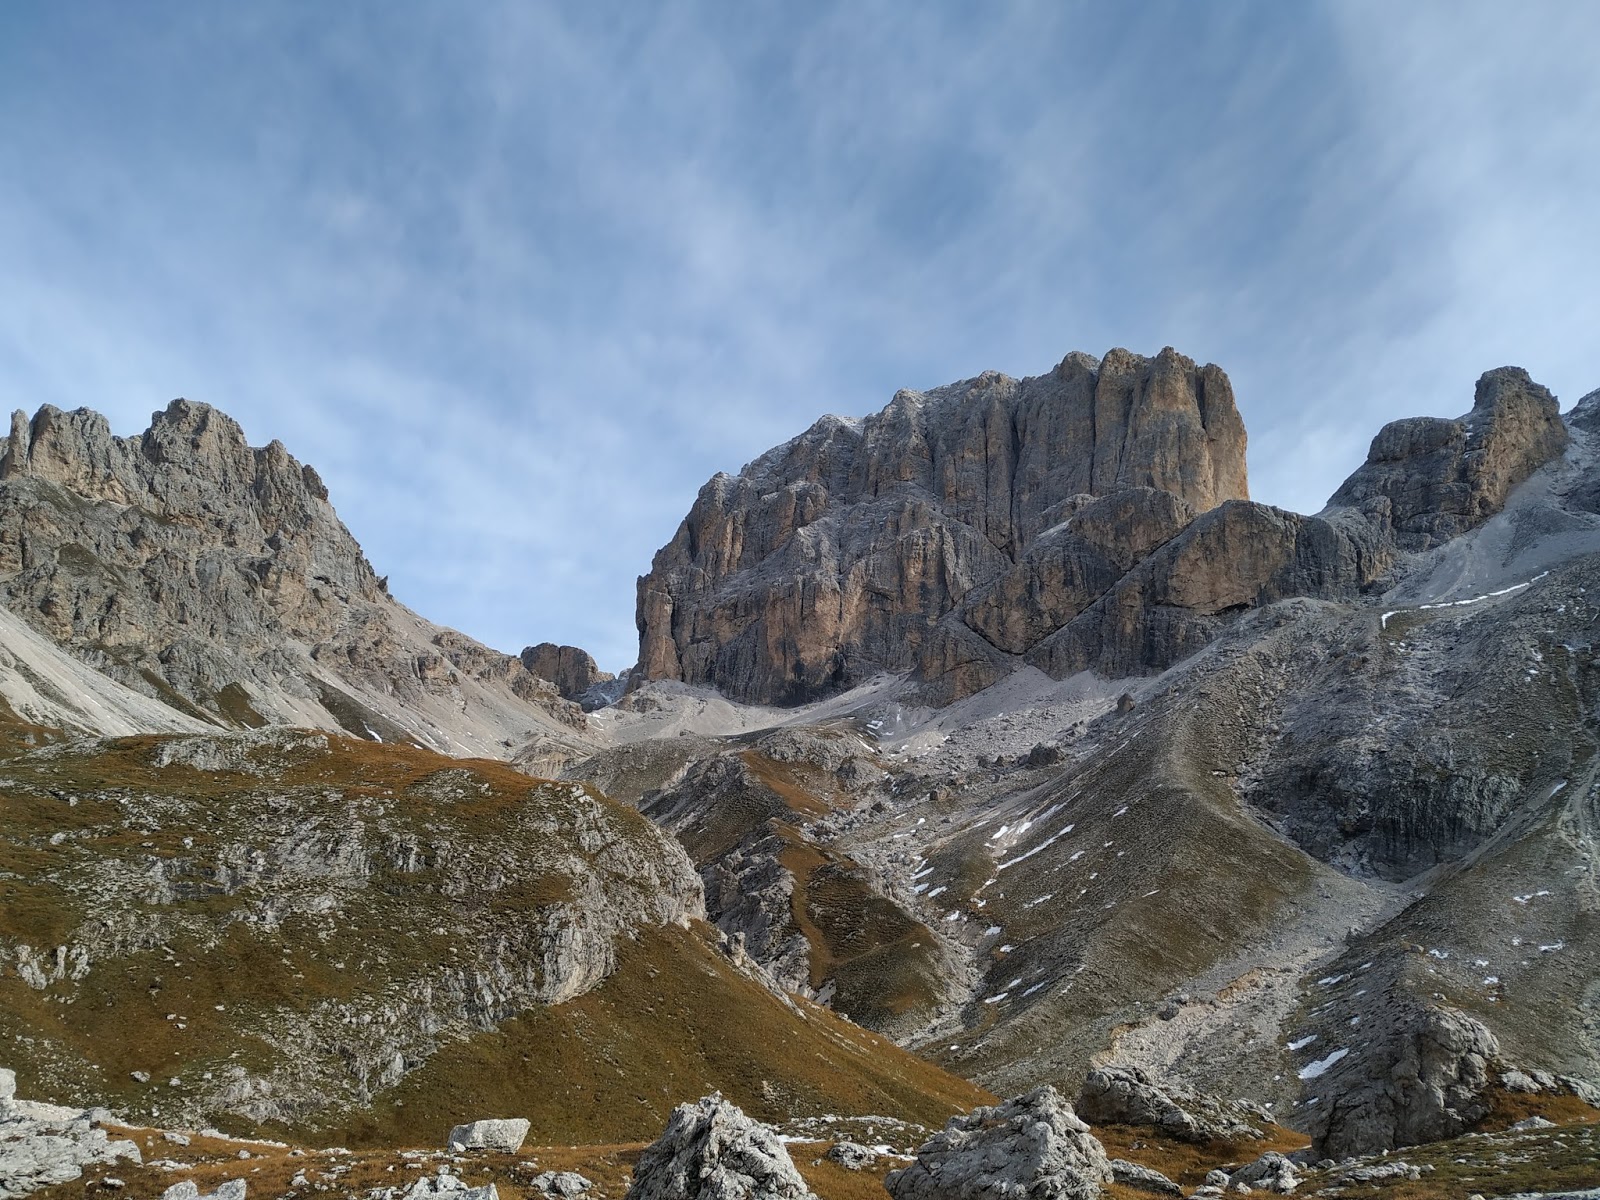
834	555
1430	479
217	578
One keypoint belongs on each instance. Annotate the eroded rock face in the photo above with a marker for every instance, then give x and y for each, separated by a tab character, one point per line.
1031	1146
1093	518
711	1150
1430	479
573	671
832	556
1438	1067
217	577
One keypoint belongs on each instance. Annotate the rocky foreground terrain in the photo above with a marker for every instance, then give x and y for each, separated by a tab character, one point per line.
996	745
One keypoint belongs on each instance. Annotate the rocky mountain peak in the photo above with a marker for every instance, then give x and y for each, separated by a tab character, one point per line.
216	579
832	555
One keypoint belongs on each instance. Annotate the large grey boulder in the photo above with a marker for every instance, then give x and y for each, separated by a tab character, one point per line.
1146	1179
711	1150
442	1184
506	1135
1425	1081
8	1091
1272	1172
1032	1147
42	1145
1127	1095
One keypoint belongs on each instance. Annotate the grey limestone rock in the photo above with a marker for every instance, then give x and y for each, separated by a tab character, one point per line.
1033	1146
42	1145
1127	1095
1437	1065
217	578
830	557
561	1183
711	1149
506	1135
852	1155
572	670
1430	479
1272	1172
1146	1179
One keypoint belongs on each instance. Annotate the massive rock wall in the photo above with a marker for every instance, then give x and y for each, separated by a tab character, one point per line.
217	578
1095	518
833	556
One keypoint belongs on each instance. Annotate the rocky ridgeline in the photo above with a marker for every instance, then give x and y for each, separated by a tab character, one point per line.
1093	518
216	577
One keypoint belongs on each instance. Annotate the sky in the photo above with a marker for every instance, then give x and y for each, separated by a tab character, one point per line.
518	278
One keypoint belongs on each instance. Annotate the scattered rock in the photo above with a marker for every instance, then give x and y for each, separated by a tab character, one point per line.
506	1135
711	1150
1272	1172
1529	1124
561	1183
852	1156
1143	1178
1033	1145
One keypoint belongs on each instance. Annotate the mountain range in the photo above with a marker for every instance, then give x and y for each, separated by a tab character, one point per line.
995	740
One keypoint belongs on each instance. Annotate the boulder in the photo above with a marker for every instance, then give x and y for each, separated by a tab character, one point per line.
852	1156
1146	1179
446	1184
1425	1081
1030	1146
711	1150
504	1135
1127	1095
8	1090
1272	1172
561	1183
233	1189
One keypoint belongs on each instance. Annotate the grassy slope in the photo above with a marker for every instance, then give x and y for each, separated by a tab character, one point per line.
675	1020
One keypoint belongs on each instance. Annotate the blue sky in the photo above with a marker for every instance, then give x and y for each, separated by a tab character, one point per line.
517	278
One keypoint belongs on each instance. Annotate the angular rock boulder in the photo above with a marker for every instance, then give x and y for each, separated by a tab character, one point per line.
712	1151
1436	1068
505	1135
573	671
1033	1147
1126	1095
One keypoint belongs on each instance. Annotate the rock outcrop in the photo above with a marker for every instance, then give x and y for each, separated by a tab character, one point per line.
832	556
1124	1095
1093	518
504	1135
1435	1072
711	1151
42	1145
1429	479
216	578
1031	1147
572	670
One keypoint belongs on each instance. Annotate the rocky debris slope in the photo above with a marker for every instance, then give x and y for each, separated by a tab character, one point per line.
343	911
711	1151
758	817
1096	518
1029	1146
45	1144
216	579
